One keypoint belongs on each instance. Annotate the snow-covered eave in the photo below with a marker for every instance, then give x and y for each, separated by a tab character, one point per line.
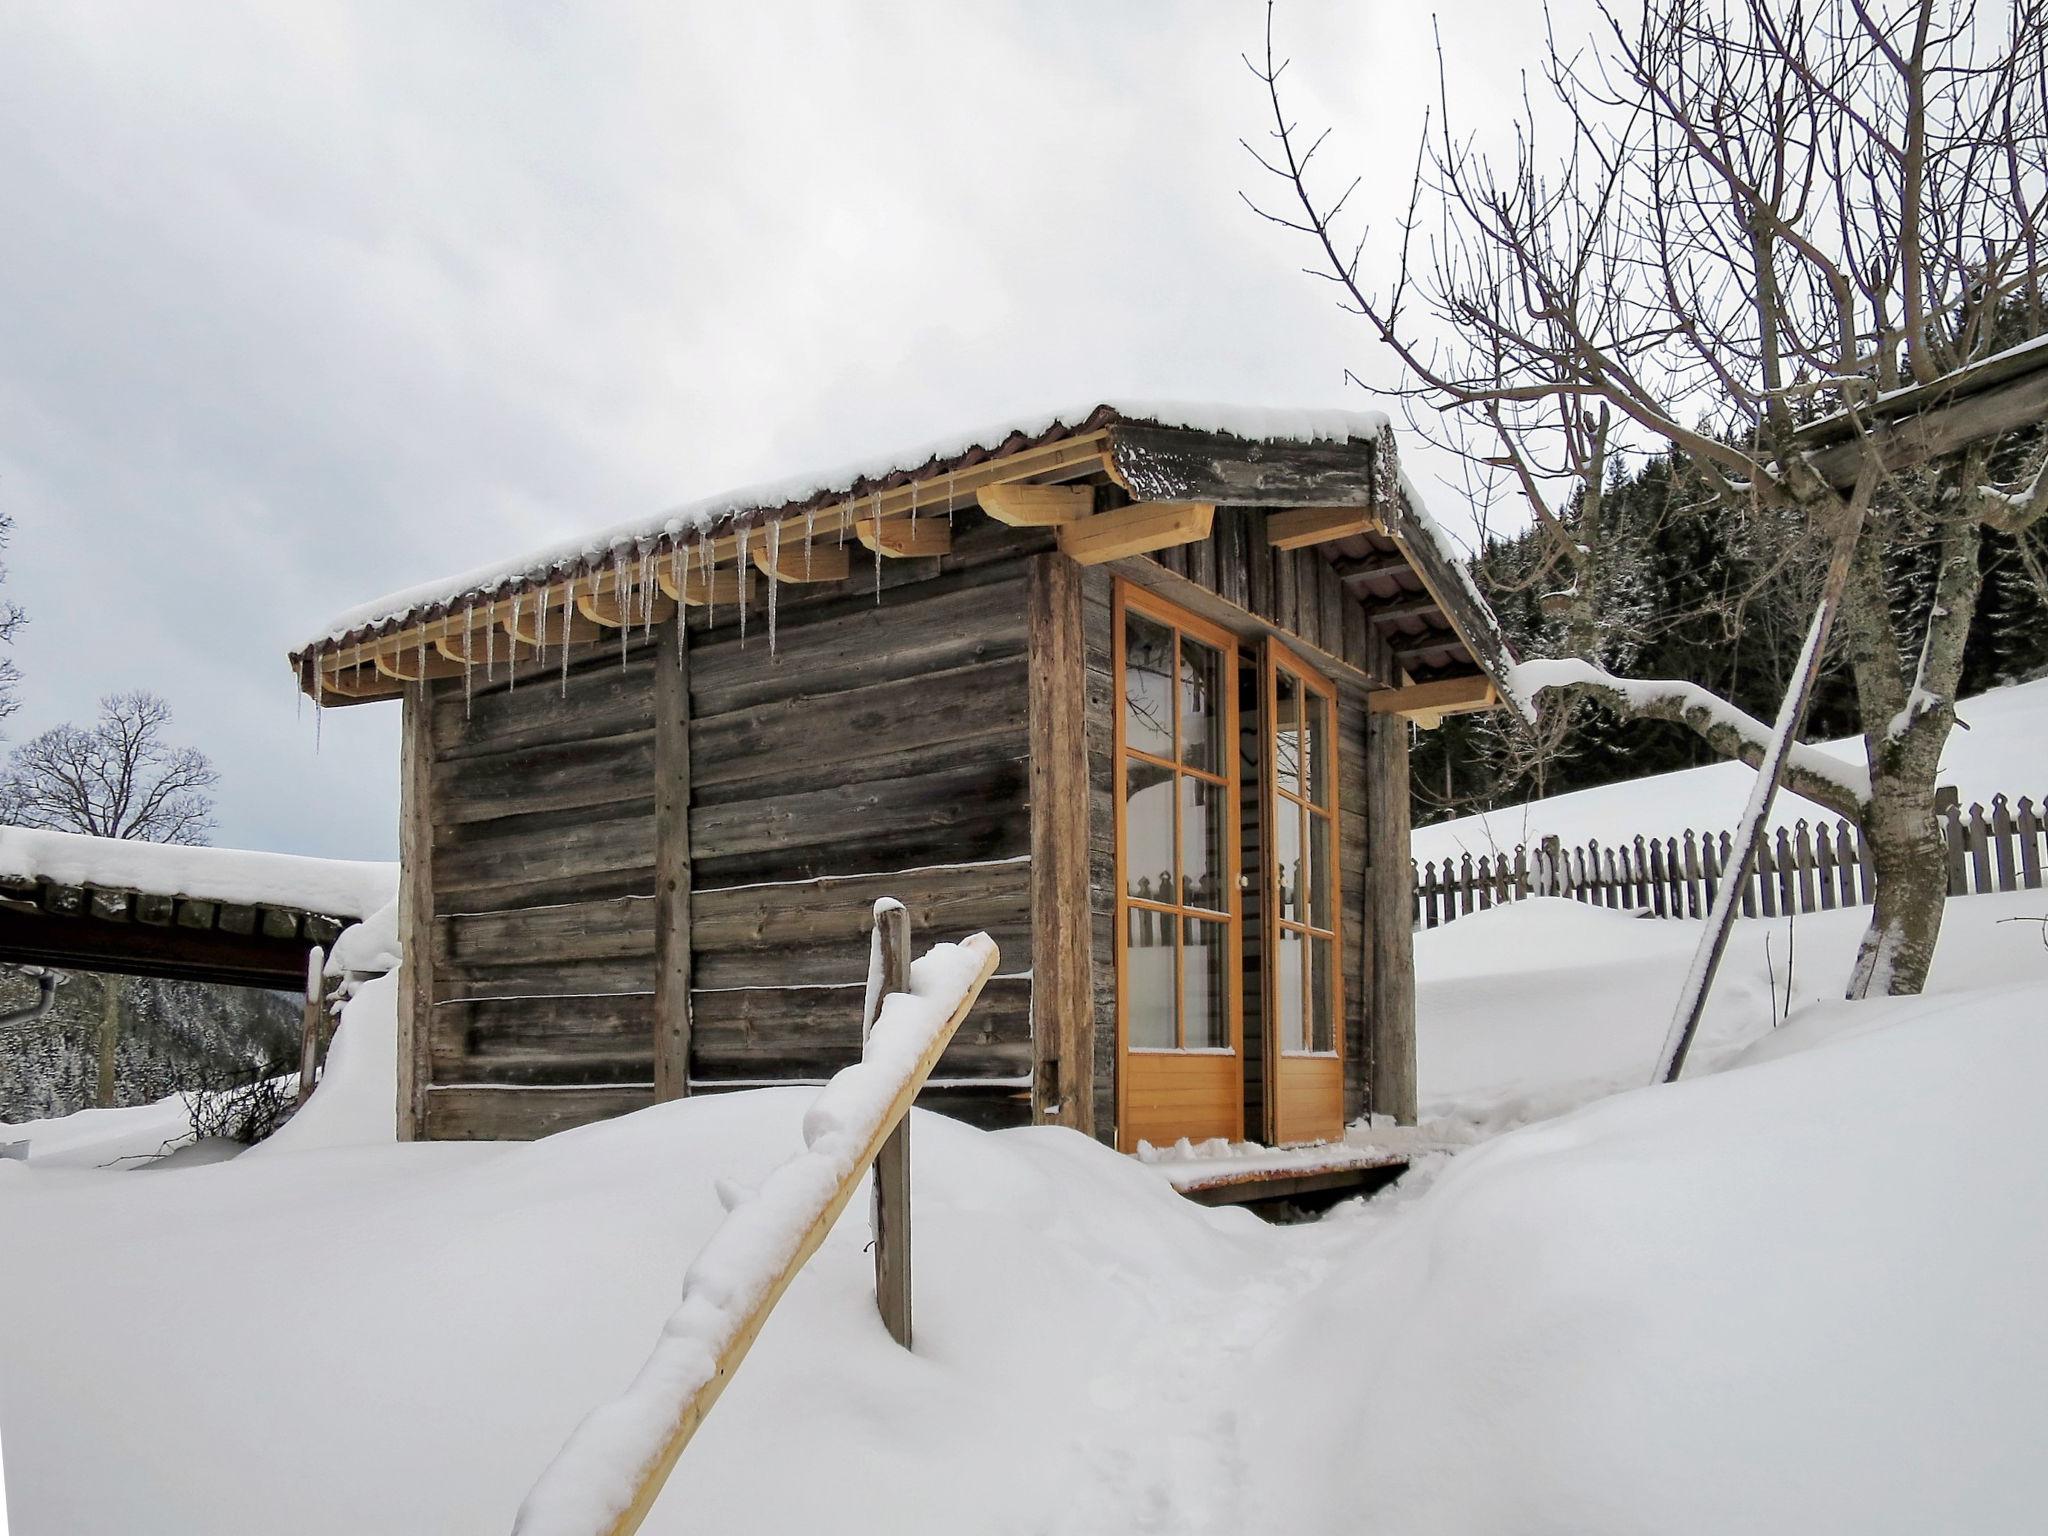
338	888
845	485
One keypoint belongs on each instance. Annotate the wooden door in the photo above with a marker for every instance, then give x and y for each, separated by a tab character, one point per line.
1300	941
1179	970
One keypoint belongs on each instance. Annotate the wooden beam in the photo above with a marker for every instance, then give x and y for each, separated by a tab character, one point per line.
1136	530
612	610
1408	607
358	683
1443	696
1037	506
409	666
541	622
1365	567
1062	936
897	539
1390	942
415	910
1299	527
672	874
812	561
693	589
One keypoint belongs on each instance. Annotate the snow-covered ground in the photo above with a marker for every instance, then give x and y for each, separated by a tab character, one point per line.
2000	752
1794	1292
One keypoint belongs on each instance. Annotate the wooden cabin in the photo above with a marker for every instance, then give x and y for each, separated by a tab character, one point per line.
1128	687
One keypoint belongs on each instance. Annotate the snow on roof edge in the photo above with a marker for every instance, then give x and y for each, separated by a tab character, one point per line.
1254	423
347	888
1523	702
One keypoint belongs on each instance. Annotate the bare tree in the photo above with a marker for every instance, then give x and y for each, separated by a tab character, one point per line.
117	778
1760	215
11	620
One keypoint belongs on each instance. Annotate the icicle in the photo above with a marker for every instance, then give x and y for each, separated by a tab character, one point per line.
740	554
619	590
540	621
949	498
512	650
774	581
913	511
647	593
710	585
676	553
319	702
568	612
878	548
846	517
423	658
490	642
468	670
810	527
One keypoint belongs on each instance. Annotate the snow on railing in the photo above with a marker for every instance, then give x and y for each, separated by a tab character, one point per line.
1807	867
607	1476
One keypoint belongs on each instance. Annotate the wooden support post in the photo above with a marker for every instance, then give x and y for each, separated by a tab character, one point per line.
889	971
415	910
110	1040
1136	530
1062	944
1299	527
1389	939
316	1013
671	861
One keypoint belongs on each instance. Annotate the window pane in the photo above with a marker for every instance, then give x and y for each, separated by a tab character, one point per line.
1287	856
1316	727
1320	875
1205	1010
1323	1034
1202	874
1286	737
1201	705
1148	829
1148	685
1148	986
1287	962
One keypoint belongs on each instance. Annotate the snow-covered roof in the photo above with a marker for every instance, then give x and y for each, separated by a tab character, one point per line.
342	888
841	483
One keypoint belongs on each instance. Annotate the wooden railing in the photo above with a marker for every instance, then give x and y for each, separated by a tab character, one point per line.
609	1473
1808	867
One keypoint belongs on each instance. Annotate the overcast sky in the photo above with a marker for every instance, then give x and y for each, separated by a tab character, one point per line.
302	303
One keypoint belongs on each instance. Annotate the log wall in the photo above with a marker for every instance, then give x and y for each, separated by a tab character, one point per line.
881	748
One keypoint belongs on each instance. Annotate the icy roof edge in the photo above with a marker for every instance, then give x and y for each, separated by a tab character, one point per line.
1254	424
345	888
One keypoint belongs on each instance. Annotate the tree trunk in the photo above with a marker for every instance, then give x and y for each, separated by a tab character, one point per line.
1912	889
110	1039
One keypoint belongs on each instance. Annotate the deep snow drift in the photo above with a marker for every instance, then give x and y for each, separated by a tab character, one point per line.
1796	1292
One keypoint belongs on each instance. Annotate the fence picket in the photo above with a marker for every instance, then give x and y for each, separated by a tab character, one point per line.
1980	853
1952	835
1803	855
2001	841
2030	857
1846	866
1824	864
1692	875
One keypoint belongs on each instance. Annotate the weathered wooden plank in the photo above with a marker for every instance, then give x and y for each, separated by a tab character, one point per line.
588	853
944	901
1392	1018
772	1032
604	699
1062	961
897	716
618	928
477	1113
416	898
601	1039
674	754
560	776
960	813
543	975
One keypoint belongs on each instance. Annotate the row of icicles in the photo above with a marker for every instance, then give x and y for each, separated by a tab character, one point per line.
641	583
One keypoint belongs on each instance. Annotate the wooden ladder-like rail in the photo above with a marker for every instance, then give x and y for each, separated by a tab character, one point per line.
607	1476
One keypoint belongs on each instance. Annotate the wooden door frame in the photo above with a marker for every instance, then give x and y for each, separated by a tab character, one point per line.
1125	596
1274	654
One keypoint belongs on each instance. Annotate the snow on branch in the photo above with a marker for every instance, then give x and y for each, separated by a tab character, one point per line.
1821	777
610	1470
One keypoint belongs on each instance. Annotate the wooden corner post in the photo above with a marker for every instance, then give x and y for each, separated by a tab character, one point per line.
415	910
1389	935
889	971
671	860
1062	980
315	1016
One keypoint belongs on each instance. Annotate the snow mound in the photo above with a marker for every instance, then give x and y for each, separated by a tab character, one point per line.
1802	1294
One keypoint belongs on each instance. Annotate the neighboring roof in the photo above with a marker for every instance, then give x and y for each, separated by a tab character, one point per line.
844	483
336	888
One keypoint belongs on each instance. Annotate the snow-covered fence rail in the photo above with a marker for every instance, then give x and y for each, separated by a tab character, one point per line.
607	1476
1807	867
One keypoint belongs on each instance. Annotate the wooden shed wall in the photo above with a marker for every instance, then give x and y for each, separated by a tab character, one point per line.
879	749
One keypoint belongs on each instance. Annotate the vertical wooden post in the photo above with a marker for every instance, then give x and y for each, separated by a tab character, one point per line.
415	911
316	1011
889	971
671	860
110	1041
1391	1022
1062	947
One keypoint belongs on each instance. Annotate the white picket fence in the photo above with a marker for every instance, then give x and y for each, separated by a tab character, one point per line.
1808	867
